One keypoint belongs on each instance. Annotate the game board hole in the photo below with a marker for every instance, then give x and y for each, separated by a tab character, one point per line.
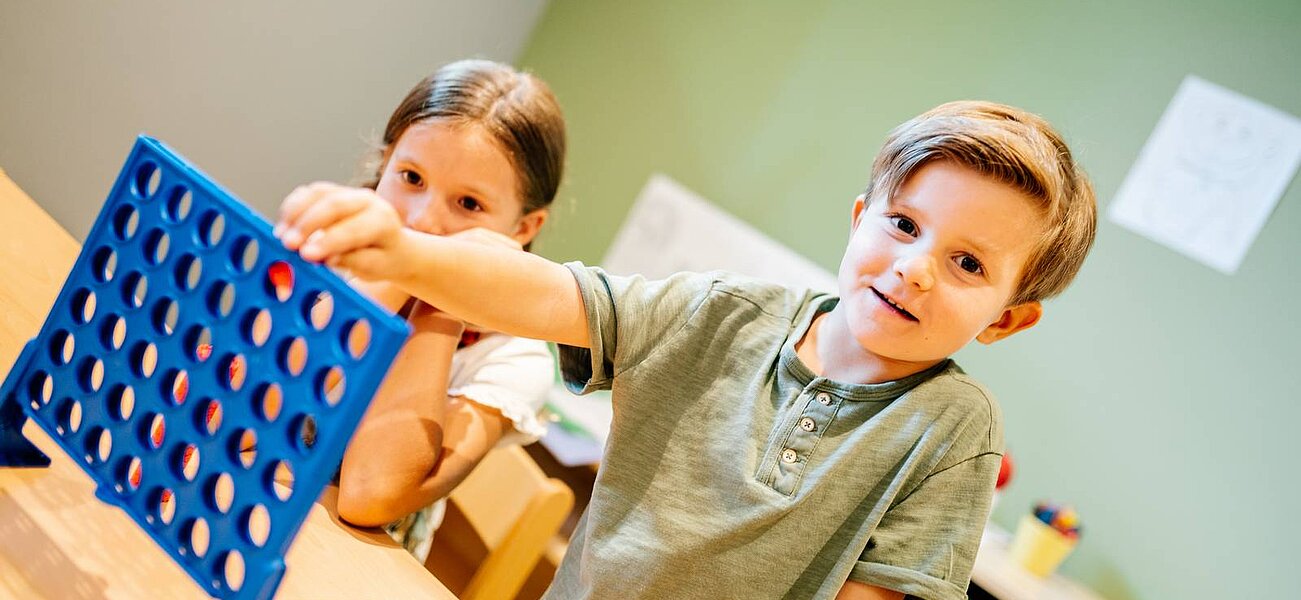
318	309
236	370
113	332
189	459
135	290
269	400
165	506
304	432
156	246
41	388
331	385
68	417
133	472
245	448
221	300
282	480
83	306
156	431
280	280
91	374
126	221
222	491
243	254
293	356
177	386
210	417
179	204
104	264
257	524
357	340
62	347
211	228
197	536
122	402
99	445
166	313
148	177
200	339
257	326
144	359
233	569
188	271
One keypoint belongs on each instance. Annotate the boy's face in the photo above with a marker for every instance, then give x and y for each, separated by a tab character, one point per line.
933	267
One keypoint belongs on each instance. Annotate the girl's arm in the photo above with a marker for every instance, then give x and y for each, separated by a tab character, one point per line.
504	290
396	445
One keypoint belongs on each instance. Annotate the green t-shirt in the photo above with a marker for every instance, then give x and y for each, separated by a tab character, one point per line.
732	471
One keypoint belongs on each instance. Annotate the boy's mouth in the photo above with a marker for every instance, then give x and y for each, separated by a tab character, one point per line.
895	306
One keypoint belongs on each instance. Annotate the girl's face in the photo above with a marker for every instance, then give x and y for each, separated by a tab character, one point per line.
448	177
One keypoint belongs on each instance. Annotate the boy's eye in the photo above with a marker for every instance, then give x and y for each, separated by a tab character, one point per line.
904	224
469	204
411	177
969	264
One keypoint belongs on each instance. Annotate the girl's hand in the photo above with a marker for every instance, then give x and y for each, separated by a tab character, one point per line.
351	228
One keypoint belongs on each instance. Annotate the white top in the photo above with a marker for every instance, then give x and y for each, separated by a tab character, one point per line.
510	374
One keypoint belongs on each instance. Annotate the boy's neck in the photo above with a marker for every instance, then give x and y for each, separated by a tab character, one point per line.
829	350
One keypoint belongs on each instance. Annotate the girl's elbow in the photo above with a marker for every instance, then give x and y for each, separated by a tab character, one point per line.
365	504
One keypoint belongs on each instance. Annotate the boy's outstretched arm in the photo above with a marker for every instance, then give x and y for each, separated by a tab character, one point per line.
495	288
853	590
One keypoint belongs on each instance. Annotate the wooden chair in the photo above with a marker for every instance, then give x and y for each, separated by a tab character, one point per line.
498	523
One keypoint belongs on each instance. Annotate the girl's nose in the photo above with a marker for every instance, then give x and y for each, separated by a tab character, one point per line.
917	270
423	215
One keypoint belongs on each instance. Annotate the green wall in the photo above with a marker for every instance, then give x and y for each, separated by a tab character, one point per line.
1159	396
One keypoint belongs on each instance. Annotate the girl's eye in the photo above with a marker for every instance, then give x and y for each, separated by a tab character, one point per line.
904	224
411	177
469	204
969	264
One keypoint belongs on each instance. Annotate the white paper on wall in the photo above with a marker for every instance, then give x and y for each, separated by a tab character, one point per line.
671	229
1211	173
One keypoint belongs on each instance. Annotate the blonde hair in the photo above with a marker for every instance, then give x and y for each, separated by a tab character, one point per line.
1014	147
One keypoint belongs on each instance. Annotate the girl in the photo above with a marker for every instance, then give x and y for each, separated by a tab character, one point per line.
475	145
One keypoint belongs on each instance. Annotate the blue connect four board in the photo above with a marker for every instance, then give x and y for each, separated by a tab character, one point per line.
204	376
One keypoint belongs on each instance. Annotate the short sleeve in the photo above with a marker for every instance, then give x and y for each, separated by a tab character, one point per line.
514	377
627	319
926	544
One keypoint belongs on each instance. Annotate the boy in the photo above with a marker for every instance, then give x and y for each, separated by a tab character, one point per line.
774	443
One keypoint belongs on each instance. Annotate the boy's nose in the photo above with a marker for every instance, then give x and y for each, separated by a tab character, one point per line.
917	270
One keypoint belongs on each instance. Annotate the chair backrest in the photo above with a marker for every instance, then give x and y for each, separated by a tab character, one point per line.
497	525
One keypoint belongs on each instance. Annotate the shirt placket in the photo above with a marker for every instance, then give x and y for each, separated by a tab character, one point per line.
817	408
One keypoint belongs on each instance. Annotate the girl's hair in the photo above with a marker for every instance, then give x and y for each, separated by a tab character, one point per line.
1017	148
516	108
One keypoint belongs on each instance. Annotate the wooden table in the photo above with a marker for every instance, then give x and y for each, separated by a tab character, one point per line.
58	541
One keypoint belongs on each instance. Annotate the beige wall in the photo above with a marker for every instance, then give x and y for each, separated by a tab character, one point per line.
261	95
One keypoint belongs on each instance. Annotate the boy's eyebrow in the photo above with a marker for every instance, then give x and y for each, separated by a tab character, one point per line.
902	203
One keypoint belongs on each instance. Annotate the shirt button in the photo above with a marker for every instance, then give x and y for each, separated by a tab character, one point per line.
807	424
789	456
824	398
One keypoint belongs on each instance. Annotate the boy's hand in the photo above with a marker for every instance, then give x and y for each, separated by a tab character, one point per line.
352	228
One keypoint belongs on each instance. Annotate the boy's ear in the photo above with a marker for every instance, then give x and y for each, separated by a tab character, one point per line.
1013	319
859	204
529	225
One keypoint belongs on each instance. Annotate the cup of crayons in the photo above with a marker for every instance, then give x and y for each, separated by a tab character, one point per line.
1044	539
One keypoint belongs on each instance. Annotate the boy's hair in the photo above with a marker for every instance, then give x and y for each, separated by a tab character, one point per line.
1014	147
516	108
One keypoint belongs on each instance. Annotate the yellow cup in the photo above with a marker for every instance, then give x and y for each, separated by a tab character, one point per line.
1038	547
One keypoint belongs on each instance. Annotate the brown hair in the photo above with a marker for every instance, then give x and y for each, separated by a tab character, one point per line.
516	108
1014	147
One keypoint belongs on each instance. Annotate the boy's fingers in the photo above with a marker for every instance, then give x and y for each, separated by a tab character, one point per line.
298	200
350	232
322	213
